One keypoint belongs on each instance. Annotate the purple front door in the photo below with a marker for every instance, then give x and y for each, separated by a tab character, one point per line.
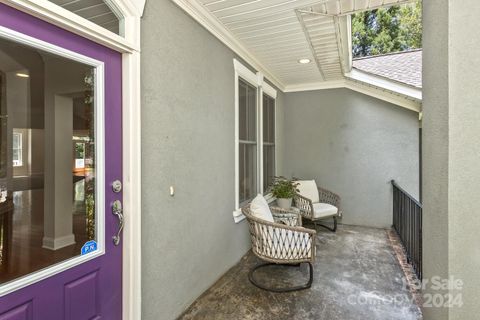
61	151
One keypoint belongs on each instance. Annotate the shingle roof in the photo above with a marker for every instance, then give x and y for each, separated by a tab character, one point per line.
404	67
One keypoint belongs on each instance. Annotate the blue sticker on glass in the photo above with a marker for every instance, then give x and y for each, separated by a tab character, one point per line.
89	246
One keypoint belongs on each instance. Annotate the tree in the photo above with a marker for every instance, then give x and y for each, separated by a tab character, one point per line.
385	30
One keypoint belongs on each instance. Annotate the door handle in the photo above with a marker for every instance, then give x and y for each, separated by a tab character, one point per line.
118	211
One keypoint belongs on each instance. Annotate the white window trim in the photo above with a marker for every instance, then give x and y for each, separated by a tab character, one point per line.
21	164
257	80
129	46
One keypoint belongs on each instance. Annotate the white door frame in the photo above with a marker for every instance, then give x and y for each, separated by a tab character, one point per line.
129	46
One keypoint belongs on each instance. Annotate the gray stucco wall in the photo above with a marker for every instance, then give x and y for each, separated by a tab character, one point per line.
464	164
189	240
354	145
451	155
435	148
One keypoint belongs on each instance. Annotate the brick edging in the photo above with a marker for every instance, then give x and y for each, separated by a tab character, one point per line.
407	268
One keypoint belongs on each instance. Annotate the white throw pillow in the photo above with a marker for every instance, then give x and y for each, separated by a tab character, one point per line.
260	209
308	189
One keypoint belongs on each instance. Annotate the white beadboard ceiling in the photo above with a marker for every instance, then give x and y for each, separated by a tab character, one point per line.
96	11
280	32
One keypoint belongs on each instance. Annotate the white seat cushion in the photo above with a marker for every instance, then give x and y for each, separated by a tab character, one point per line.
322	210
260	209
308	189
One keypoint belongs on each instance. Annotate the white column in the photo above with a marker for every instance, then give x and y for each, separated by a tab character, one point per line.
58	226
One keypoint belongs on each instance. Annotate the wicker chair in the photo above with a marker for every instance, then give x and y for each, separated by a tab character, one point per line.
281	244
326	199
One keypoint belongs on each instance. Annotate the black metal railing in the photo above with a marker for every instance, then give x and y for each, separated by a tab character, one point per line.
407	222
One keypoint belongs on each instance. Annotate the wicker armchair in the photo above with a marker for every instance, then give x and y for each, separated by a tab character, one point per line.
316	211
281	244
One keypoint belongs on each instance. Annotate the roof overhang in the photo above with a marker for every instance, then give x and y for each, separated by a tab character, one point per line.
378	87
388	92
407	96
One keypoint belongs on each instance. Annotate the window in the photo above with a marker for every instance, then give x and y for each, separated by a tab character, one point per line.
247	150
255	136
79	155
268	141
17	149
56	210
100	12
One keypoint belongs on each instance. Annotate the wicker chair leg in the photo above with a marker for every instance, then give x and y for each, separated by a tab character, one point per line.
279	290
334	229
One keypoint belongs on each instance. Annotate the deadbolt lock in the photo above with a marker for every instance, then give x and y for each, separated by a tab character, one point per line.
117	186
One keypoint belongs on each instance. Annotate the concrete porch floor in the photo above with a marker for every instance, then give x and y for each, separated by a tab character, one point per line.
356	276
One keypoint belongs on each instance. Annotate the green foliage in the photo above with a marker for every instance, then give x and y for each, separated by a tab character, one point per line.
79	150
385	30
284	188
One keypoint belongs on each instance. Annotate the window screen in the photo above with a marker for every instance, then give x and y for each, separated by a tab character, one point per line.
268	141
247	106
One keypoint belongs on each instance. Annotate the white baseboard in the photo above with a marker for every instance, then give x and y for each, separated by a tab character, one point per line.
58	243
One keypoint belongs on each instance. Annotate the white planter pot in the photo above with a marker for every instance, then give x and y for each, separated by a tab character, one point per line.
284	203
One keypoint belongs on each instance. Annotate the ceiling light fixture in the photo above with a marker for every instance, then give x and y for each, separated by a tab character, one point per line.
304	61
23	75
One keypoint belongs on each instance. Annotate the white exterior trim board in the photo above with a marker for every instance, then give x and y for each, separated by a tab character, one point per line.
315	86
384	95
258	81
386	84
61	17
245	73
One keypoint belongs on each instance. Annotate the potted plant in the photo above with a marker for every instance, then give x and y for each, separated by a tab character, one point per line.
284	190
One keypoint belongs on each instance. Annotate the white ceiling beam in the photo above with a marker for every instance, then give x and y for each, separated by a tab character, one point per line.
360	6
332	7
347	5
309	41
339	22
373	7
319	45
322	85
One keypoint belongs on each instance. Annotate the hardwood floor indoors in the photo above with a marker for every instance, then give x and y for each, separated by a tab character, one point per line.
26	253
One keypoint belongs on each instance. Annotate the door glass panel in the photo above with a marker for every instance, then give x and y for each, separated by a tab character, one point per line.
47	160
97	11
